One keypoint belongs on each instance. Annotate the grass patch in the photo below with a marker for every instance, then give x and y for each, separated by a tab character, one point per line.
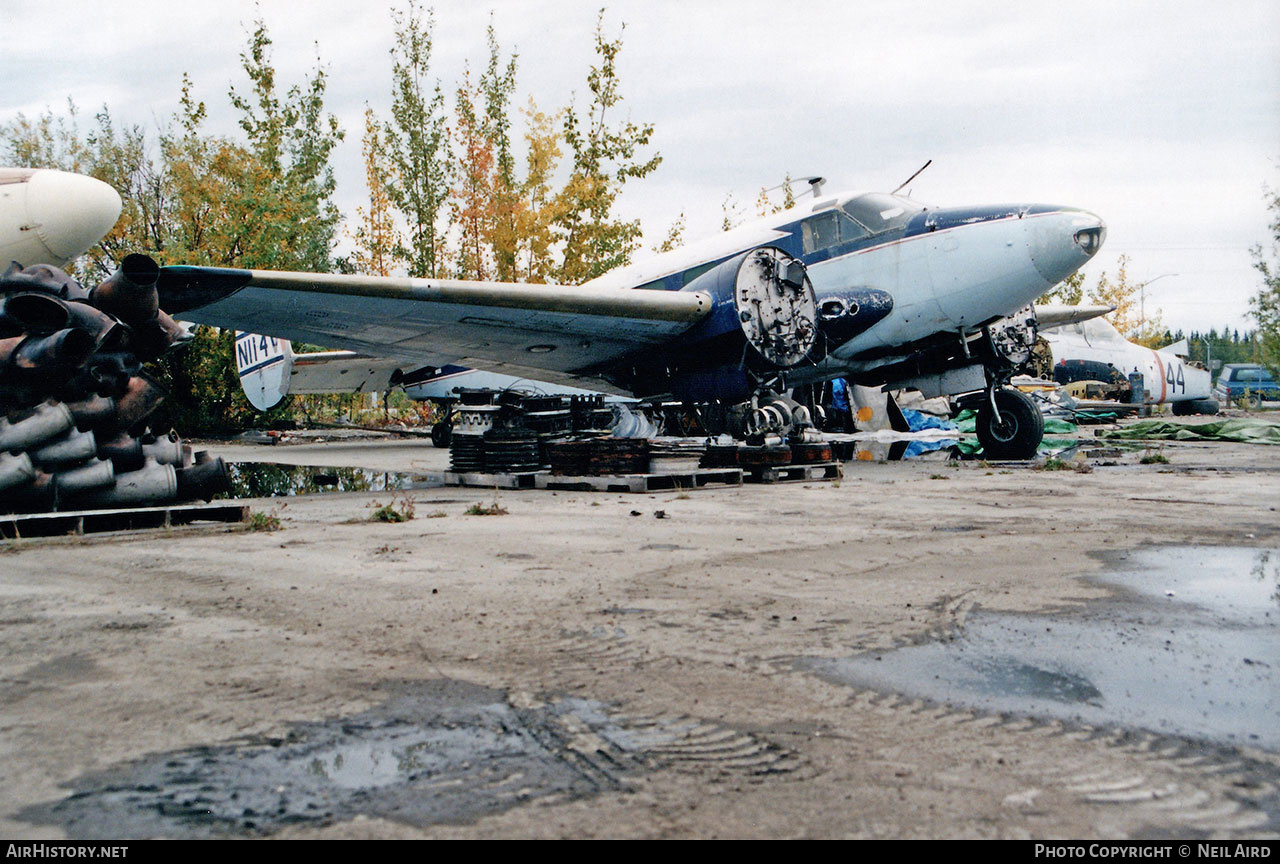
266	520
400	509
1053	463
1156	458
494	509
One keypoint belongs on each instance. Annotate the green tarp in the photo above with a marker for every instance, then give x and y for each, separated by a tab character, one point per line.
1250	430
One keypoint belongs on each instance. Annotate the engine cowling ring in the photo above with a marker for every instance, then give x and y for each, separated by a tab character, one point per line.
776	307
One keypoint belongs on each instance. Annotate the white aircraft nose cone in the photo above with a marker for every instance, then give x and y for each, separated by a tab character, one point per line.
69	212
1064	240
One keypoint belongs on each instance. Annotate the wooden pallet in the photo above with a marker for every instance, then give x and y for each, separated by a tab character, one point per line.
692	479
122	519
787	473
520	480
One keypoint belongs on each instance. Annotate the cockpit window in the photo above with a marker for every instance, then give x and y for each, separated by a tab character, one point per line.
879	212
828	229
1100	330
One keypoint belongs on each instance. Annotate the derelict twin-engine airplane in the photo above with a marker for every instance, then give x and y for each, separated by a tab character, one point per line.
871	287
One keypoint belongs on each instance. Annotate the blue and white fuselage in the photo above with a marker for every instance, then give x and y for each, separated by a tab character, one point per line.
921	271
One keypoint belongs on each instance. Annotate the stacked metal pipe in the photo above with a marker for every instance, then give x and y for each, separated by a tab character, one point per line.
75	398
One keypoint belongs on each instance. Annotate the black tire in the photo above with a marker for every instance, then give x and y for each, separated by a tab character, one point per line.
441	434
1019	431
1195	406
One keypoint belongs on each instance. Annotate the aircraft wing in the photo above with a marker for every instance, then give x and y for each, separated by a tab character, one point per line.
551	332
1051	315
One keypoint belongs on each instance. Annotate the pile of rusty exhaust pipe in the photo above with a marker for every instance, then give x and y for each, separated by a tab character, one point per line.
75	395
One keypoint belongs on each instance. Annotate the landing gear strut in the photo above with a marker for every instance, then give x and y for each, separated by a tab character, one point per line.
1012	428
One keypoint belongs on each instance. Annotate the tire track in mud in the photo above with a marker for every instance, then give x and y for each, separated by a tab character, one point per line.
1156	785
681	741
1171	785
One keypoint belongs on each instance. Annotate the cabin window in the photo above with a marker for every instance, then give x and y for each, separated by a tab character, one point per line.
819	232
828	229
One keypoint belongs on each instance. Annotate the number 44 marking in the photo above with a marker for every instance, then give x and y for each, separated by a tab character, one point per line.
1175	382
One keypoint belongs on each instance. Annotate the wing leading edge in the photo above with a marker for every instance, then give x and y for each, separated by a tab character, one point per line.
553	332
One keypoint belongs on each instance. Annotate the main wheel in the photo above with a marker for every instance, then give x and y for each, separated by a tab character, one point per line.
1195	406
1017	433
441	433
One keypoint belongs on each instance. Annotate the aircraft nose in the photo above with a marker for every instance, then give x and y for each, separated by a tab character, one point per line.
1065	239
70	212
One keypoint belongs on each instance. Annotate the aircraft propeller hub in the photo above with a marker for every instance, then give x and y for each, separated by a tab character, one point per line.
777	308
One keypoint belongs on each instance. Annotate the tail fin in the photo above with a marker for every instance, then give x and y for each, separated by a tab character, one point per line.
265	364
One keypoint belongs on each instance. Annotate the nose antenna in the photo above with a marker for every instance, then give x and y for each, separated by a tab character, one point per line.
912	177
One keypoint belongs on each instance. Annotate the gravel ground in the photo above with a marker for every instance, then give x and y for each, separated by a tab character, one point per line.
583	667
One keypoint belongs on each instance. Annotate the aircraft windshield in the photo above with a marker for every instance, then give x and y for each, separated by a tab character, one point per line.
1100	330
880	212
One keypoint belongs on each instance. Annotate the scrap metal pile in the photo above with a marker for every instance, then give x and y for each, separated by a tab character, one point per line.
75	398
505	432
508	432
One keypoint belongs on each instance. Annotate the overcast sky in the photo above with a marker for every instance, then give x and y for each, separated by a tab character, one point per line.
1162	117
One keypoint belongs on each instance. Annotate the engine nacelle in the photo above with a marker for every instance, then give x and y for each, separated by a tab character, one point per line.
766	324
770	300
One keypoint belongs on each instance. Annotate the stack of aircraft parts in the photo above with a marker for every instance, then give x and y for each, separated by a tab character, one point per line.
669	455
810	452
510	431
720	456
600	456
511	451
74	396
764	456
798	452
548	418
590	414
466	445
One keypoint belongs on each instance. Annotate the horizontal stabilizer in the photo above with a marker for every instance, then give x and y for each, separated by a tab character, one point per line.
269	371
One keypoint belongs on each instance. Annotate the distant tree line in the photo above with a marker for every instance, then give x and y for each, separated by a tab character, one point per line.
1265	306
460	185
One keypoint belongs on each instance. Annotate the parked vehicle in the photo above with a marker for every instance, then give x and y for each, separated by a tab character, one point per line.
1247	381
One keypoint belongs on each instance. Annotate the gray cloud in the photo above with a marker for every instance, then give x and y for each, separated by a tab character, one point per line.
1160	116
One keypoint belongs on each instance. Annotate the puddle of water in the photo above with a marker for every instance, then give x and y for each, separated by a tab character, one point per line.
440	752
436	752
1189	646
271	479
